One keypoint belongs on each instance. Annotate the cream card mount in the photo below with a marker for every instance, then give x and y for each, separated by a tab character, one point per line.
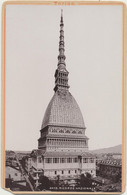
63	97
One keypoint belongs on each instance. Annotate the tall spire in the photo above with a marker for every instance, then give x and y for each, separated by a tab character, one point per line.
61	74
61	15
61	56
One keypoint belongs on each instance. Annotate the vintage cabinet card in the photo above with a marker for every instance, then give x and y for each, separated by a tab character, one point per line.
63	97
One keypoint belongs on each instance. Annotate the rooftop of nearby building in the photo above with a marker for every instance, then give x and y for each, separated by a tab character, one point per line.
111	162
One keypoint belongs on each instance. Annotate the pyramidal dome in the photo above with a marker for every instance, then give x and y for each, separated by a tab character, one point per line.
63	110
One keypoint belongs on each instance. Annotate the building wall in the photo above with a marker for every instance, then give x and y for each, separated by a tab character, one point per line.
69	139
62	173
68	167
109	171
13	173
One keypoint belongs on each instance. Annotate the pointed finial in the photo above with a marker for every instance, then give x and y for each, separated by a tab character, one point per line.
61	15
61	12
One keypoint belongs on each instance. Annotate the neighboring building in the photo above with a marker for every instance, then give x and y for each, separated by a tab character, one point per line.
112	155
116	155
110	169
63	145
13	173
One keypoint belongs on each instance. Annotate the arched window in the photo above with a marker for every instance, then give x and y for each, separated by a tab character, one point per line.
67	131
54	131
61	131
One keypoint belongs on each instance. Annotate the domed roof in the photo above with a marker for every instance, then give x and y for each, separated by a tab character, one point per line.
63	110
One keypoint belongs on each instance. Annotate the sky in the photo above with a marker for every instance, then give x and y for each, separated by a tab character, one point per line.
93	49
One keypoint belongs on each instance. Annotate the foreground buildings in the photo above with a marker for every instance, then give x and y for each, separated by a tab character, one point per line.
63	145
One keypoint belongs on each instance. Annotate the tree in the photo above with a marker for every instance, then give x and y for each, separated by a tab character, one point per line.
44	182
85	180
88	175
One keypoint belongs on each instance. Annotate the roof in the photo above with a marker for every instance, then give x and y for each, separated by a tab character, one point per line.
40	152
68	154
111	162
63	110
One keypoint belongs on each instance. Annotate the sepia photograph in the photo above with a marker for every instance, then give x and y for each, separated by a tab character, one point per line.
64	98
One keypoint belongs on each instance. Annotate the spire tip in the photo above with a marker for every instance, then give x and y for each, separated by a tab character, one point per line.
61	15
61	12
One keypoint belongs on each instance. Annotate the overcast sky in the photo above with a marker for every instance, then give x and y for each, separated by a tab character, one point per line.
93	49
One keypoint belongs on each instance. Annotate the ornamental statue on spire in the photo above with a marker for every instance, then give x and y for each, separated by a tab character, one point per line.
61	74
